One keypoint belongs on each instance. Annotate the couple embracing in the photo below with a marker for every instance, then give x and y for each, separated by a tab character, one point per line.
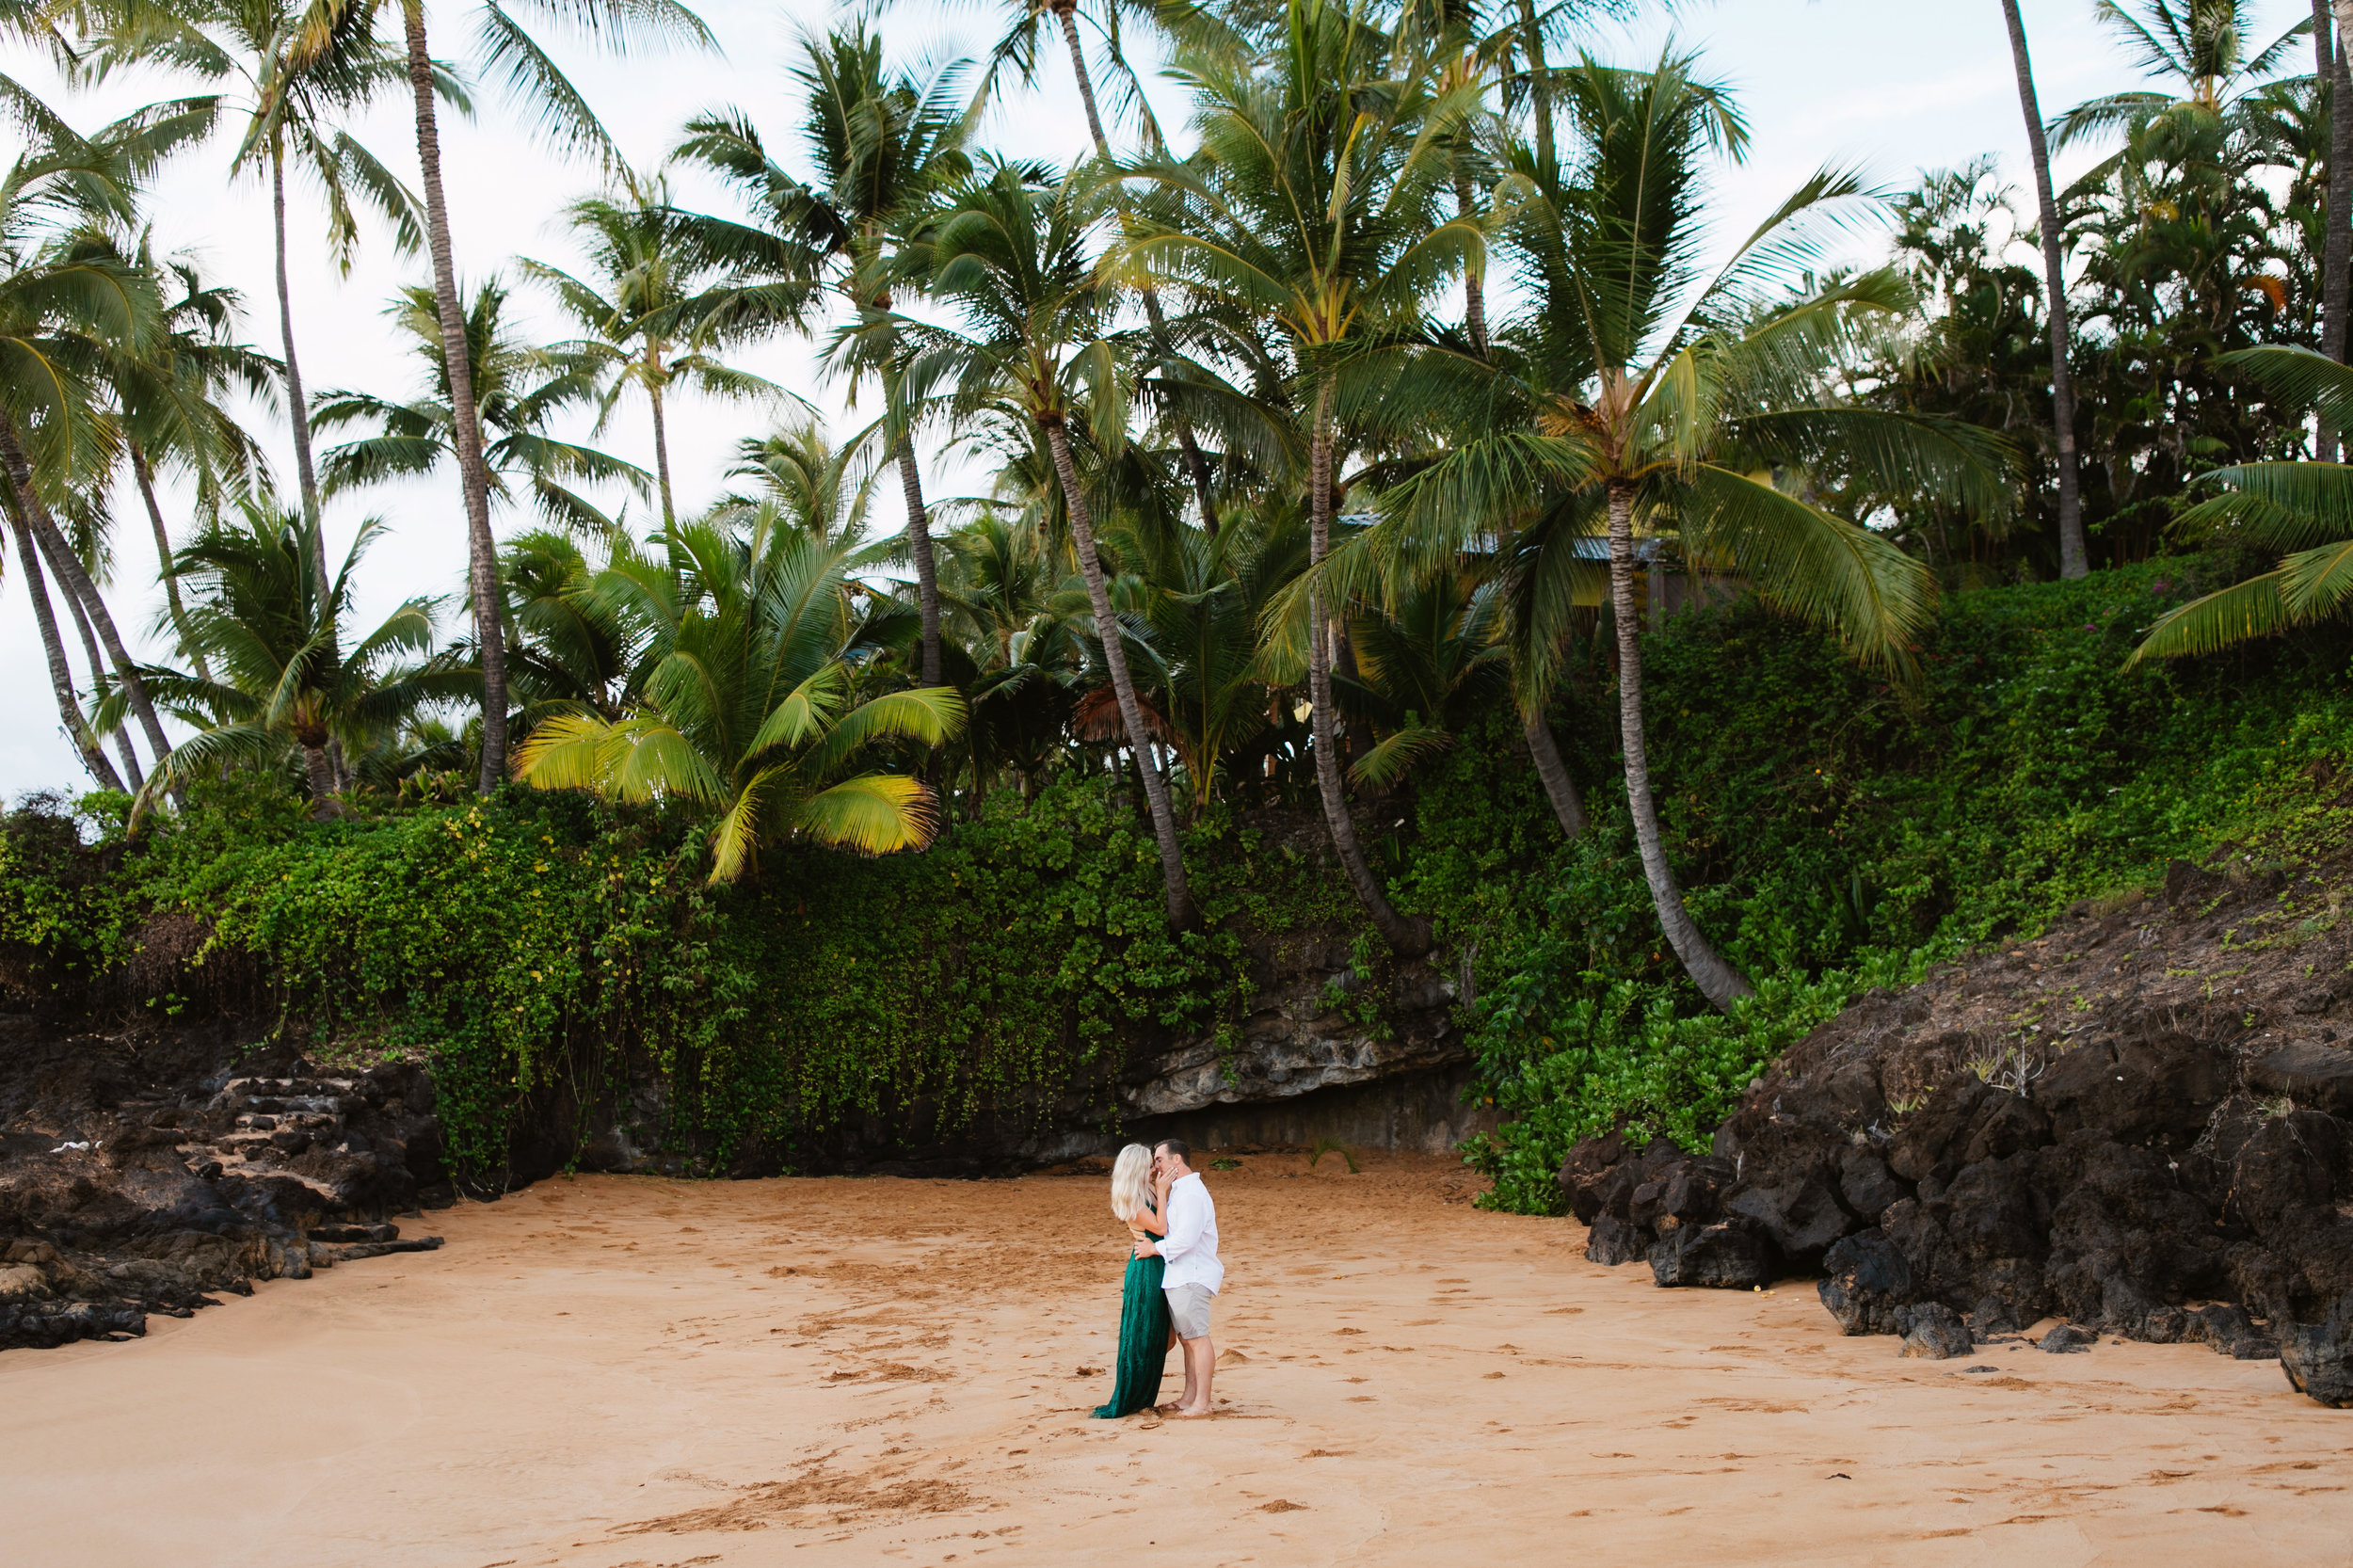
1173	1276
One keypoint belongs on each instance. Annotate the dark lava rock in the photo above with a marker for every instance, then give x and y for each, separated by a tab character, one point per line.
1933	1332
1867	1279
1588	1168
1926	1144
1730	1254
2137	1091
2068	1339
2318	1358
355	1233
1612	1241
151	1192
1686	1189
2286	1162
2316	1243
1603	1175
1800	1212
1868	1186
2076	1123
2227	1330
2310	1073
2125	1234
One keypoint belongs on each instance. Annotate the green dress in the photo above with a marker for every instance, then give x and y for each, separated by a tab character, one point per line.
1143	1340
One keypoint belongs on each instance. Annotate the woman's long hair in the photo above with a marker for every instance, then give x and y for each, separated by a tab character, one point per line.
1131	1182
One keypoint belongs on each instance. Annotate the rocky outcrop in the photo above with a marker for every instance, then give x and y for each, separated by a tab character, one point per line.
148	1181
2318	1358
2136	1122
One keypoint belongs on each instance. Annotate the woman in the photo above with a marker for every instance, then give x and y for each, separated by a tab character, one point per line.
1145	1334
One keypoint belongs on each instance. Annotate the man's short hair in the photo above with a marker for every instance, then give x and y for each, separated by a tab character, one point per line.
1177	1146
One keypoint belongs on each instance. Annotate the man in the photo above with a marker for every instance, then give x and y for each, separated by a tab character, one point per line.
1194	1272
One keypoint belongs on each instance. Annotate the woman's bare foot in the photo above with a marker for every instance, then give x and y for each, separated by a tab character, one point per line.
1181	1414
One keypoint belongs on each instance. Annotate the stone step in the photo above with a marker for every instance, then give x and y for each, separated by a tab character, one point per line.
240	1093
289	1120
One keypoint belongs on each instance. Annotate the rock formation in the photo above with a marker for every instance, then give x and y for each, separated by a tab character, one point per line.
134	1181
2133	1123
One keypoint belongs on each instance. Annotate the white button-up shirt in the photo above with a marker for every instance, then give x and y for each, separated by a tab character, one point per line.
1190	1247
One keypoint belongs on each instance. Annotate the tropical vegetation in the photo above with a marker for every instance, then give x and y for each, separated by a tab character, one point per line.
1392	450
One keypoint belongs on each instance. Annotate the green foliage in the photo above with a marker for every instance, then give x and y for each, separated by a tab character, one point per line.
1837	833
535	945
1332	1146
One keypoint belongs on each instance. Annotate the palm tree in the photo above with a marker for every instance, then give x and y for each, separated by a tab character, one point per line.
289	682
2200	48
816	484
1658	399
2304	510
1426	663
506	48
1314	200
171	408
2072	560
1034	355
298	70
519	390
1017	48
75	723
72	307
884	147
649	312
750	703
574	651
2336	261
1202	595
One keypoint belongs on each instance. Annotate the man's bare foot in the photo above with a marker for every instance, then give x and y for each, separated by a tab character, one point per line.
1181	1414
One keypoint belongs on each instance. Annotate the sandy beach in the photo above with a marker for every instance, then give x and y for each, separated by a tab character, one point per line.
619	1373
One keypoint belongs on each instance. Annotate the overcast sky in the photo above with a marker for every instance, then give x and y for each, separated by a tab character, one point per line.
1901	84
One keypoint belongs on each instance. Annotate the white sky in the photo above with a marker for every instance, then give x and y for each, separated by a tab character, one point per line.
1902	85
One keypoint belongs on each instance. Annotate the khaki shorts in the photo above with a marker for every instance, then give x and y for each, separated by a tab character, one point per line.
1189	1309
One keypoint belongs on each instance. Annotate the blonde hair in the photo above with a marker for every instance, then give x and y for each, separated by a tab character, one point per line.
1131	1182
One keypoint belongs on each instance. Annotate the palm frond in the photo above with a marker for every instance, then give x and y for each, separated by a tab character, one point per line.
875	814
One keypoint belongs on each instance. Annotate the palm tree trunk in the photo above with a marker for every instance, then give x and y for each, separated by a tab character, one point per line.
662	455
77	583
1560	787
1540	90
1409	938
321	774
1196	467
2073	559
60	673
475	476
1180	912
1066	12
1718	980
2337	254
97	664
1474	281
919	550
297	409
146	477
